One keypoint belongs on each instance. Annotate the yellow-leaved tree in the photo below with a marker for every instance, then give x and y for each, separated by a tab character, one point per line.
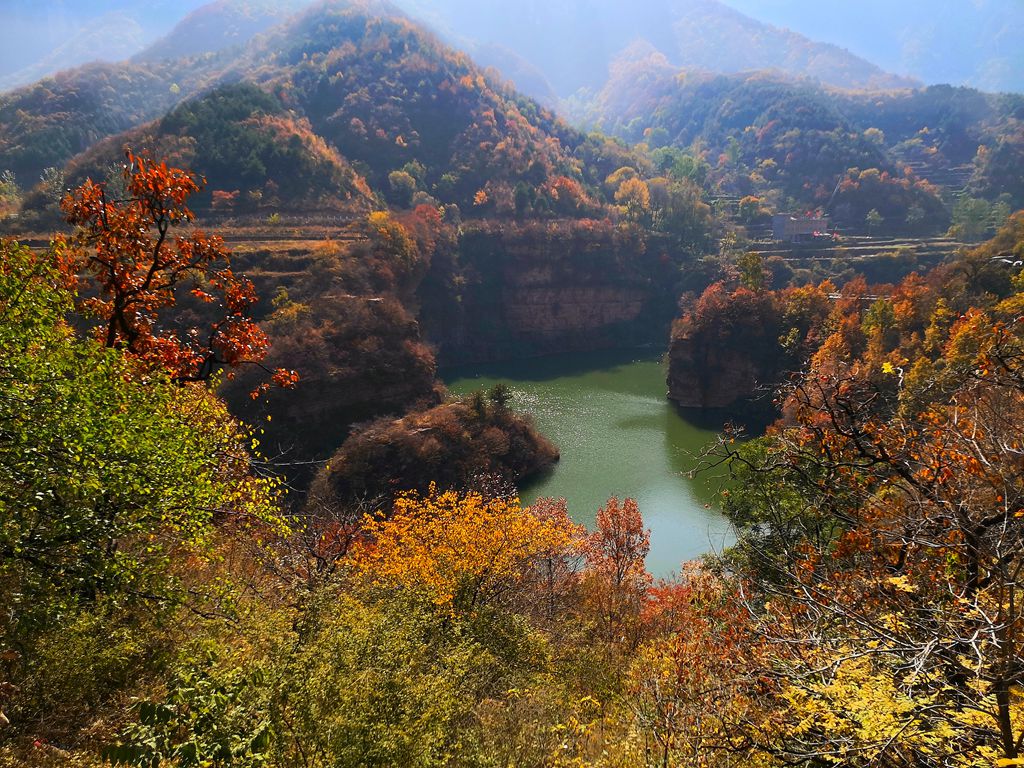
460	550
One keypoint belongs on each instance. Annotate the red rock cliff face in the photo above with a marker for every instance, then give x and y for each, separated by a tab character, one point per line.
702	376
724	348
552	288
537	303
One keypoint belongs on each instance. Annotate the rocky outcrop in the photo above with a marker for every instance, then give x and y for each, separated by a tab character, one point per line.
458	444
723	348
702	376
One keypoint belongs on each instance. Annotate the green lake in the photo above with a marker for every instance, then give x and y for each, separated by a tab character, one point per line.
619	436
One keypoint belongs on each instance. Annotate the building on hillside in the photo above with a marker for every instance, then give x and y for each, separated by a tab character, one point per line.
794	228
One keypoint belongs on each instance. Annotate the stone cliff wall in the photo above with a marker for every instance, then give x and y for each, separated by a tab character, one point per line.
700	376
541	303
529	294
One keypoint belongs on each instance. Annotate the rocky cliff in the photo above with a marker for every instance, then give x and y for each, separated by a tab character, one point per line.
547	289
705	376
724	347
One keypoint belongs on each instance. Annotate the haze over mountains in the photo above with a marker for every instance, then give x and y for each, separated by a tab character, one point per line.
621	80
574	42
553	49
939	41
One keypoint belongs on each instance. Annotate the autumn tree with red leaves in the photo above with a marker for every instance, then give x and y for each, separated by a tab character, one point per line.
139	270
617	577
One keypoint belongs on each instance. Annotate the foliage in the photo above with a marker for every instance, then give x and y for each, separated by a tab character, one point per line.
870	198
46	124
760	134
454	445
880	523
386	93
975	217
203	721
422	675
106	478
243	137
125	245
460	550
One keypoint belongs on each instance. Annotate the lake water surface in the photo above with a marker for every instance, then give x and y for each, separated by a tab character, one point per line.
618	435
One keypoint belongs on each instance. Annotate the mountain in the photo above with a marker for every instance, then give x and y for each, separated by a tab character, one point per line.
574	42
117	34
218	25
761	133
389	96
45	124
42	38
242	139
361	78
380	89
937	41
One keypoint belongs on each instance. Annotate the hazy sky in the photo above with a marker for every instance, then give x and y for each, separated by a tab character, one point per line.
975	41
980	41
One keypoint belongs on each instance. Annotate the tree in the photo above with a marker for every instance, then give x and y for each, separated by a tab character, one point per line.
106	477
617	577
635	198
753	275
51	181
141	271
883	525
458	550
500	395
915	215
402	186
9	186
971	217
10	194
688	689
750	209
680	211
873	220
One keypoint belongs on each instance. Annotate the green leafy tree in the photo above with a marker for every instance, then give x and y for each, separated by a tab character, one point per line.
753	275
403	186
8	186
915	215
209	719
971	217
52	183
106	476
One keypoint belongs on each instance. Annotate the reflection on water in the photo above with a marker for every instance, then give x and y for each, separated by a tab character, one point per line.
618	435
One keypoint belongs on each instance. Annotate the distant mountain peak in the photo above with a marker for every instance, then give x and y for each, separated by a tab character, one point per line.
573	43
220	24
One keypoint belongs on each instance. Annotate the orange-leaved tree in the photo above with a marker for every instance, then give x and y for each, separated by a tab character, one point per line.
617	579
692	689
882	530
140	270
459	550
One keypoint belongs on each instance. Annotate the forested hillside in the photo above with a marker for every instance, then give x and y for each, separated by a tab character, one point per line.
573	43
217	25
946	41
166	611
899	152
